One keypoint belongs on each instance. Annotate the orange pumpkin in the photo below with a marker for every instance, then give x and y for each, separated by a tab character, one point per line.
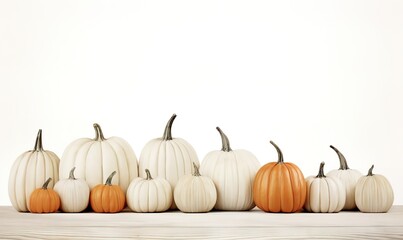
107	198
44	200
279	186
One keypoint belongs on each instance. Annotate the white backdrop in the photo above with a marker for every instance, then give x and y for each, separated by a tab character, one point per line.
305	74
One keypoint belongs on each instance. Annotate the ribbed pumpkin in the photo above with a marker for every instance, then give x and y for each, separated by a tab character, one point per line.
324	194
29	172
232	172
107	198
44	199
168	157
74	193
279	186
195	193
348	177
373	193
96	158
149	194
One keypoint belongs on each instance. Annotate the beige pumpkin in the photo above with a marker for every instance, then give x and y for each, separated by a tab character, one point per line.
149	194
29	172
195	193
324	194
168	157
74	193
96	158
373	193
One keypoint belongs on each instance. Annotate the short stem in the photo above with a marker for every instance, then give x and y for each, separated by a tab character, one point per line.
279	153
167	133
370	171
99	136
71	175
148	175
342	159
109	179
196	170
38	143
321	174
225	142
45	185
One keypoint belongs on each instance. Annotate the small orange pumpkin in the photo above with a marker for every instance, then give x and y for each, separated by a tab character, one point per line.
107	198
44	200
279	186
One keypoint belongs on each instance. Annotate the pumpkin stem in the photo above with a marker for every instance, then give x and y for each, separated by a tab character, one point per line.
342	159
280	154
196	172
109	180
99	136
45	185
167	133
321	174
148	175
38	143
370	171
71	175
225	142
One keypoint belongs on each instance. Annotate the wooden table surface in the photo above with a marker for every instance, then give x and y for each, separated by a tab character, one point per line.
253	224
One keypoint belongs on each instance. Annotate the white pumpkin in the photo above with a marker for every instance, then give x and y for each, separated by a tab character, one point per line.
324	194
168	157
233	173
74	193
373	193
96	158
348	177
195	193
29	172
149	195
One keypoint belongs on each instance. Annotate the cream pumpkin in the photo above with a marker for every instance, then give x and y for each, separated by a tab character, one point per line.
74	193
149	194
348	177
195	193
324	194
233	173
373	193
29	172
168	157
96	158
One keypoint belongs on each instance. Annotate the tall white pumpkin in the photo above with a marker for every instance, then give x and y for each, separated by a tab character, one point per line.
168	157
348	177
233	173
29	172
195	193
374	193
96	158
324	194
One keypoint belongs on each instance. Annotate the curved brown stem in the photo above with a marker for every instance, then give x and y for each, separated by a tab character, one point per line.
342	159
109	179
196	170
148	175
280	154
99	136
71	174
321	174
168	133
370	171
225	142
45	185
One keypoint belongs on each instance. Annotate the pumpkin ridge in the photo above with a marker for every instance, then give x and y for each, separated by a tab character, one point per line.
290	171
27	207
178	151
50	162
86	155
116	159
237	177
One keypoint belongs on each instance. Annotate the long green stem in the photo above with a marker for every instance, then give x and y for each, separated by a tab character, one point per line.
45	185
225	142
99	136
279	153
342	159
321	174
38	143
109	179
370	171
168	133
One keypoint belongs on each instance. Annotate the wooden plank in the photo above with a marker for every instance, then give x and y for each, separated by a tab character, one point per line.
253	224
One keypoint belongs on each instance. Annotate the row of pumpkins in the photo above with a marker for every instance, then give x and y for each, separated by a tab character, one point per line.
104	173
